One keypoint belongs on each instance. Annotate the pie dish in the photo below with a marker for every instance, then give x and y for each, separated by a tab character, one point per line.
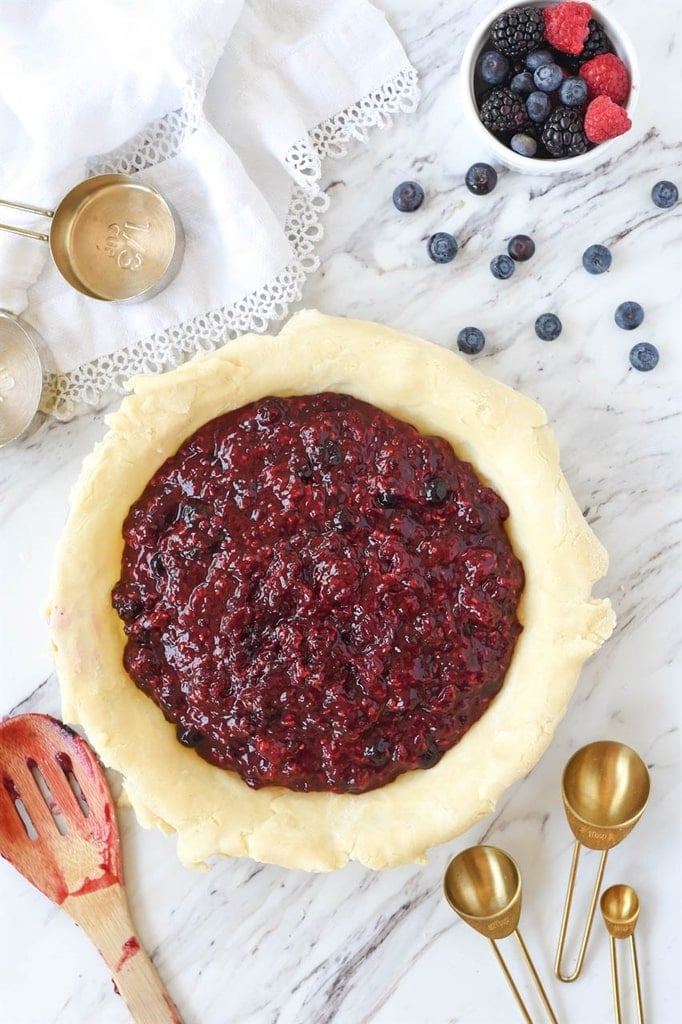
505	438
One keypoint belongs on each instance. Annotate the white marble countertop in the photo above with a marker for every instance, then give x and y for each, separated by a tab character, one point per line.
257	944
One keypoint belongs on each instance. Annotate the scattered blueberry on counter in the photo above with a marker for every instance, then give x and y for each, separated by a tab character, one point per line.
664	194
643	356
502	267
408	196
548	327
480	179
521	248
442	247
597	259
470	340
629	315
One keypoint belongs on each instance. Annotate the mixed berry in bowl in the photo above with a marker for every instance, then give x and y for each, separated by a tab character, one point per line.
549	82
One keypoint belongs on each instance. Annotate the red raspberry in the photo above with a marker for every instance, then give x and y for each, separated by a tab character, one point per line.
605	120
567	26
606	75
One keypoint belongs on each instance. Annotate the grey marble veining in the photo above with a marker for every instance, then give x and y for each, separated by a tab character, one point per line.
254	944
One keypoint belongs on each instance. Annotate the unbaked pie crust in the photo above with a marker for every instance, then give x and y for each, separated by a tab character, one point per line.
503	434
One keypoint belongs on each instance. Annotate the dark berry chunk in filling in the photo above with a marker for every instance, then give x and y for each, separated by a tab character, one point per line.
318	596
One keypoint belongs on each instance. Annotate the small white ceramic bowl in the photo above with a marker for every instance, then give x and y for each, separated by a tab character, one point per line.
532	165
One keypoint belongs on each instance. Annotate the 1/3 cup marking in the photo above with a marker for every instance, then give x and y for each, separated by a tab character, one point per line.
126	247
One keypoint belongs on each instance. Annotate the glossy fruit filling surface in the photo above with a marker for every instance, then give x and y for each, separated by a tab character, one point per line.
318	596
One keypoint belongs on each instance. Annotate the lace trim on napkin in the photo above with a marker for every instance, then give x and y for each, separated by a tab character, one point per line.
64	394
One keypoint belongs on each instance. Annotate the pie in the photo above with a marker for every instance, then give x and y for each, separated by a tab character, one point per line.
322	596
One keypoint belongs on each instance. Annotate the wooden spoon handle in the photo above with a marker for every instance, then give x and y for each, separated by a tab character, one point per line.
105	917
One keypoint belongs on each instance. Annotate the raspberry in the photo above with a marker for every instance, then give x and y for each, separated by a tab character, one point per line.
567	26
605	120
606	75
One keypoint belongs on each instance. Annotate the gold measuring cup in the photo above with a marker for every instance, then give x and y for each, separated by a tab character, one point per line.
620	910
605	788
483	886
111	238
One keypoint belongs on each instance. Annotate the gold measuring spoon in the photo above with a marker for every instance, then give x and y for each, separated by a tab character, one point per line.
620	910
112	237
605	788
483	886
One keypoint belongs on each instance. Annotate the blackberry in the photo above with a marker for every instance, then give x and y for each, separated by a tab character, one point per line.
517	32
564	133
503	112
596	43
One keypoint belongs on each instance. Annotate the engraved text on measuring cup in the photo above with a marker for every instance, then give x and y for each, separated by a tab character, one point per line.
125	244
7	382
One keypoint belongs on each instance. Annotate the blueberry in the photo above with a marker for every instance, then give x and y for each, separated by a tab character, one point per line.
494	67
330	453
377	753
664	194
502	267
573	92
387	499
480	179
524	145
436	490
537	58
442	247
470	340
522	83
548	327
343	520
538	106
629	315
548	77
643	356
597	259
188	736
408	196
431	755
521	248
157	565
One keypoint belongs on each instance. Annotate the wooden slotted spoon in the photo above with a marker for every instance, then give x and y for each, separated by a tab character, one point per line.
58	828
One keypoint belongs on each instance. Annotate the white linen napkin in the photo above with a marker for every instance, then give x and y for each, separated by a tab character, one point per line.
228	108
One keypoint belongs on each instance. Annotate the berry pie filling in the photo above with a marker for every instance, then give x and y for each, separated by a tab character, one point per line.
316	595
